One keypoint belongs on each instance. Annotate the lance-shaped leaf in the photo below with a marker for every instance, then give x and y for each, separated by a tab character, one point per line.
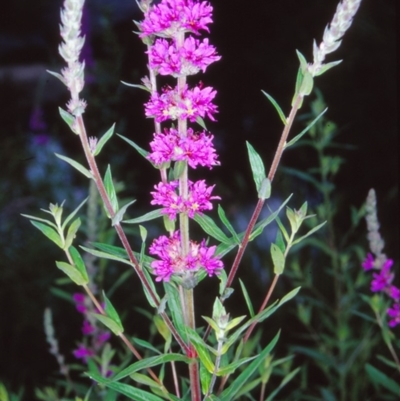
201	349
305	130
71	216
174	306
73	273
105	255
277	107
229	369
48	232
327	66
76	165
227	224
229	393
278	259
68	118
312	231
72	230
257	166
132	393
110	189
149	363
136	86
141	151
201	122
112	321
210	228
282	384
103	140
247	298
155	214
79	263
120	214
378	377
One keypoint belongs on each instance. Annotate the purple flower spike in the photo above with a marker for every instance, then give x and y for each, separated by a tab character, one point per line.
368	263
394	313
383	279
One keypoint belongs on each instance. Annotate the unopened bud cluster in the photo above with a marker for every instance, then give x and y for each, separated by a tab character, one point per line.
334	32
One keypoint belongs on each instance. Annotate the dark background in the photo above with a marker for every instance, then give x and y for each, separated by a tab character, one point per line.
257	41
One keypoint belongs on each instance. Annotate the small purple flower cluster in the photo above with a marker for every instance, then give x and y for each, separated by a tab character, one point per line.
95	336
382	282
171	53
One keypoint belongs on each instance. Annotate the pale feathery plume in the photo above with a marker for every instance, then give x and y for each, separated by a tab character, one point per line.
333	34
70	49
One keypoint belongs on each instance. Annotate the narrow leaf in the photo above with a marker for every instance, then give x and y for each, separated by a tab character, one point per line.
68	118
110	189
72	272
103	140
112	313
227	224
109	323
312	231
201	122
282	384
131	392
229	369
277	107
120	214
155	214
71	234
230	393
105	255
381	378
247	298
305	130
71	216
210	228
201	349
278	259
48	232
48	222
257	166
141	151
79	263
149	363
76	165
136	86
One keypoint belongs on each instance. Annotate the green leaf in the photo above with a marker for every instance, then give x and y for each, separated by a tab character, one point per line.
155	214
312	231
103	140
305	130
381	378
277	107
259	227
205	379
227	224
174	306
137	86
229	393
79	263
131	392
201	122
257	166
105	255
278	259
76	165
283	383
110	189
111	312
149	363
72	272
48	232
144	379
210	228
109	323
201	349
68	118
71	234
71	216
265	189
120	214
145	344
327	66
229	369
141	151
48	222
247	298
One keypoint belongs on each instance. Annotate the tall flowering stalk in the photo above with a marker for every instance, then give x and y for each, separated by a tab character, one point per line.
171	31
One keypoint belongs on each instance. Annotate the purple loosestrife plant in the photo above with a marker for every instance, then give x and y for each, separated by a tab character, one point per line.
172	31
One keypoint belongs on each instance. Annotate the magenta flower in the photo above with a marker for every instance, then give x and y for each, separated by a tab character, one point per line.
368	263
394	293
383	279
170	16
191	104
198	199
83	353
194	148
79	300
394	313
193	56
87	328
173	262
